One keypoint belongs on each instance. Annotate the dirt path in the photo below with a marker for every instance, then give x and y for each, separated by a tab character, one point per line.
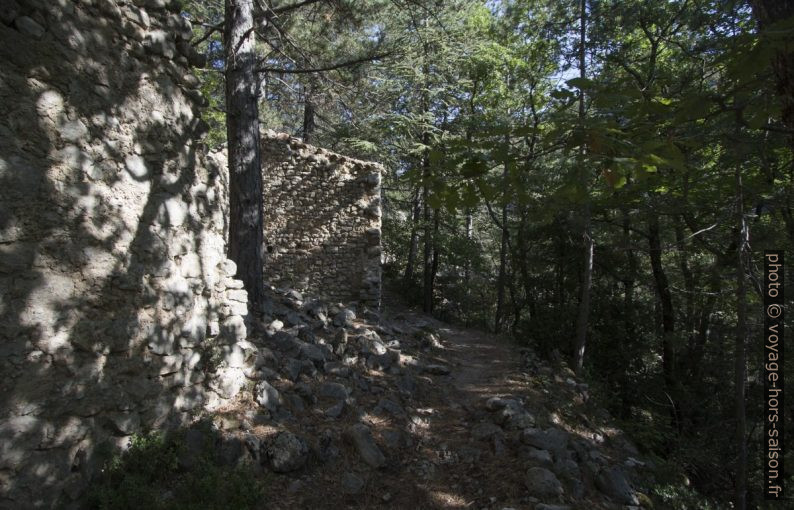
445	442
465	472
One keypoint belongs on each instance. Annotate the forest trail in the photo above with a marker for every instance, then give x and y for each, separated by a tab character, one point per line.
451	424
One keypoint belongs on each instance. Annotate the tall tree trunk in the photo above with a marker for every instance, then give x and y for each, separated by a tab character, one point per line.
309	123
667	311
583	316
246	237
740	367
427	259
501	284
629	329
416	211
435	262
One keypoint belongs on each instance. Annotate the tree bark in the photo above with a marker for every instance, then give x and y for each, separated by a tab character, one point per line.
309	122
246	237
414	247
740	367
436	256
583	316
667	311
501	284
427	259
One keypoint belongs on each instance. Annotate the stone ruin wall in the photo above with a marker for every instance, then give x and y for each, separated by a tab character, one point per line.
322	221
119	312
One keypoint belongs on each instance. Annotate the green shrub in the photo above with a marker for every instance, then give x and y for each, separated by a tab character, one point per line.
148	475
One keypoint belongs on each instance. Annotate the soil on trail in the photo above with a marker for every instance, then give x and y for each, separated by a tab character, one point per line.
447	442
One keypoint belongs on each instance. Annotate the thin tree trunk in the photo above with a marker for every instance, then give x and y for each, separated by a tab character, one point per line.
629	283
740	367
583	316
500	286
427	259
416	212
309	123
246	237
667	311
436	255
427	262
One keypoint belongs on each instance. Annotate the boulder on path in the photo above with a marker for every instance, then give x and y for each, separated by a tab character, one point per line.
287	452
365	444
542	483
613	482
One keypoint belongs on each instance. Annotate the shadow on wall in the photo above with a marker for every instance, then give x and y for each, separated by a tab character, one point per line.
111	239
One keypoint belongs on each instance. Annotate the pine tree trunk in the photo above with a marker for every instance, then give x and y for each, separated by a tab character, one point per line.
242	130
309	124
583	316
416	211
427	259
740	367
501	284
667	311
436	256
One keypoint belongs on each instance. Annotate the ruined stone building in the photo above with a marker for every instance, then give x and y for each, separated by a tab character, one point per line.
119	311
322	221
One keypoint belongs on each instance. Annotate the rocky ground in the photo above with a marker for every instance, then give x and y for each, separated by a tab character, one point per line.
355	409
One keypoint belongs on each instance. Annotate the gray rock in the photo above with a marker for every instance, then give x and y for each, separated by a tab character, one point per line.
551	439
293	368
344	318
136	166
540	457
387	406
395	438
73	130
544	506
267	396
352	483
542	483
384	361
613	482
371	344
336	410
340	337
312	353
485	430
568	469
435	369
365	444
287	452
159	43
294	294
336	368
334	390
29	27
497	403
515	418
295	402
9	10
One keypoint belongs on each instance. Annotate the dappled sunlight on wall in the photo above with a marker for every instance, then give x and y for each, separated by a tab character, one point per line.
322	221
118	307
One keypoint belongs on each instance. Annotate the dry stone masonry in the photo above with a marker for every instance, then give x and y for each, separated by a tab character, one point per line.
119	311
322	221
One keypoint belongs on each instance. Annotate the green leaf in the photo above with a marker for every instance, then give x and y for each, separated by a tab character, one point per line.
581	83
